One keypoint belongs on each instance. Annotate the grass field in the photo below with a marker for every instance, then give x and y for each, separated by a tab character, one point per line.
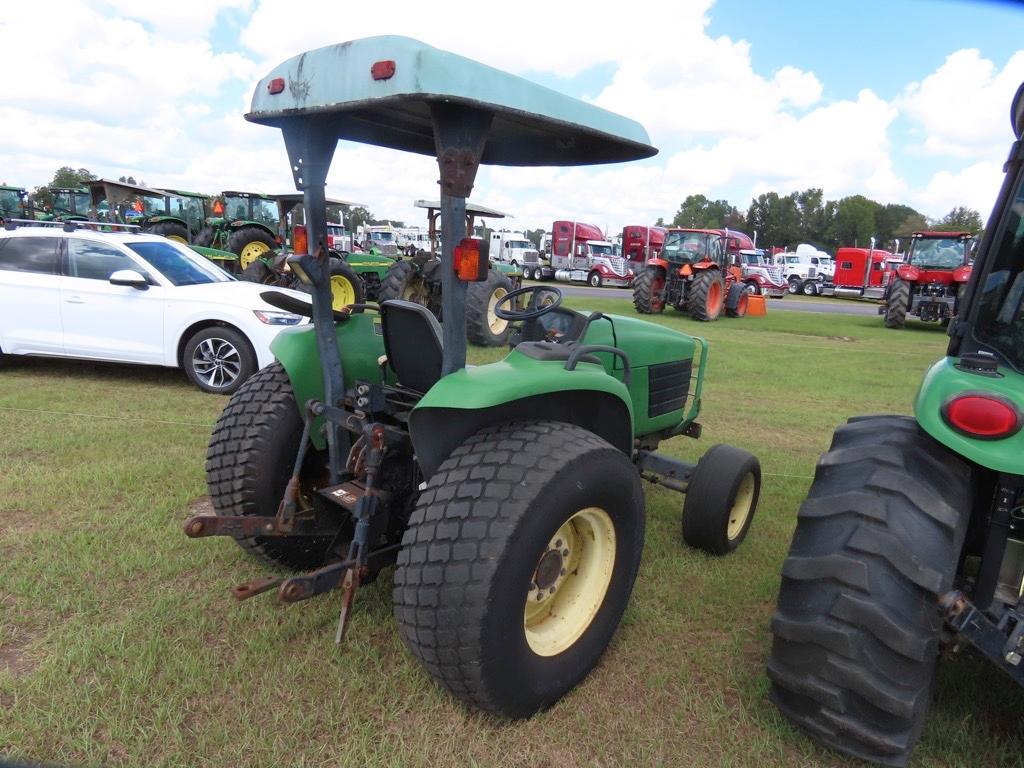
120	644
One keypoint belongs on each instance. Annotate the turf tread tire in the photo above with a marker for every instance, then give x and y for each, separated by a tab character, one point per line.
460	549
857	627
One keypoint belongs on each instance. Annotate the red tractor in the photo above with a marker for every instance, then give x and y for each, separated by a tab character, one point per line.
693	275
929	284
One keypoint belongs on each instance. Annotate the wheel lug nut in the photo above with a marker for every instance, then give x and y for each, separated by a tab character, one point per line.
540	595
562	572
565	553
551	591
558	544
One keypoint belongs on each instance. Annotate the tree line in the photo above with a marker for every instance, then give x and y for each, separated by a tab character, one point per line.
806	217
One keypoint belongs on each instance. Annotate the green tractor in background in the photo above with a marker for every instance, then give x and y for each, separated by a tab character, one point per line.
14	203
911	539
419	279
244	223
69	204
509	495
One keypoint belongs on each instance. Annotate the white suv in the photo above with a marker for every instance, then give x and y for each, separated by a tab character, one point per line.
132	298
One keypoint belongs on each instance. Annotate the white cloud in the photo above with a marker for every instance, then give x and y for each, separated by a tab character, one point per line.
963	107
975	186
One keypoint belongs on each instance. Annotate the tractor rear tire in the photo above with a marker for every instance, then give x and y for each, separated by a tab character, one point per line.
721	499
258	272
649	291
204	239
857	628
249	462
897	303
250	244
403	282
483	327
483	597
706	296
172	230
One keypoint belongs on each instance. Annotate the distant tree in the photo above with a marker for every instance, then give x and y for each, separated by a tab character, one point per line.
811	208
698	212
960	219
660	222
534	236
775	219
359	216
854	221
897	221
65	176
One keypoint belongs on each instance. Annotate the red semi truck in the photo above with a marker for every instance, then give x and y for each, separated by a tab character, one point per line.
580	253
640	243
862	273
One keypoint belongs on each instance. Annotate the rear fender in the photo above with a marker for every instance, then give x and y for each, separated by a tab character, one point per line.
360	343
516	389
239	223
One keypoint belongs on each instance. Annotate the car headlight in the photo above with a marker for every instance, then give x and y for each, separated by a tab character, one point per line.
277	318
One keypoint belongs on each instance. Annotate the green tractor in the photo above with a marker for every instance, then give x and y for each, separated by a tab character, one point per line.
911	539
244	223
69	204
420	279
14	203
173	214
509	495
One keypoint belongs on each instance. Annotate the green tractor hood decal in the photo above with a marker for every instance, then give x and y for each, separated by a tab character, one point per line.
943	382
214	254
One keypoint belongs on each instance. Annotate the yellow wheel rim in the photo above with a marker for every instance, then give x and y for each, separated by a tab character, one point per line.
251	252
178	239
342	292
416	291
496	324
741	507
570	582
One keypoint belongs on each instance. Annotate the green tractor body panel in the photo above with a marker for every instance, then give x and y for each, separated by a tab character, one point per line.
507	269
369	262
945	381
361	344
214	254
532	125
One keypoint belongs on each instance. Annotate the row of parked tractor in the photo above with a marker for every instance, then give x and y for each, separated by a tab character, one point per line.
703	272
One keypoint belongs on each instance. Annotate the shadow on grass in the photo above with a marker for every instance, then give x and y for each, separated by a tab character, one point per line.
79	371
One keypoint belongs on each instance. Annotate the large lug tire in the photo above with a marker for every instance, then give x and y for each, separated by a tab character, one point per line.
857	628
721	499
250	459
204	239
402	281
483	327
487	544
649	291
897	303
795	284
258	272
739	297
250	244
706	297
218	359
172	230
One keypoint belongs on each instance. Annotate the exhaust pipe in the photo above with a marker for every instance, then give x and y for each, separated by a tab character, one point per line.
870	260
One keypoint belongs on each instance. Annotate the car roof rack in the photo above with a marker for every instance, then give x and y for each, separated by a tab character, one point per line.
71	226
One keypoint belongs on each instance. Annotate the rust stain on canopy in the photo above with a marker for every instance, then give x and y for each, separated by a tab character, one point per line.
532	125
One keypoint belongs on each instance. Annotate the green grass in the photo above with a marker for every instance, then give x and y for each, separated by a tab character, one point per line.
120	644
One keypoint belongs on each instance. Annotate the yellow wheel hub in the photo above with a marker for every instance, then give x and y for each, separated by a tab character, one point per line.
178	239
740	511
416	291
570	582
496	324
342	292
251	252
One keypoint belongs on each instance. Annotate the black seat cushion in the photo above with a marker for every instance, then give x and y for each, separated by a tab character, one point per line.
412	341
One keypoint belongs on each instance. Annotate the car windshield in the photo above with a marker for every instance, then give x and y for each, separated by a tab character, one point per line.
941	253
178	264
600	250
686	245
1000	321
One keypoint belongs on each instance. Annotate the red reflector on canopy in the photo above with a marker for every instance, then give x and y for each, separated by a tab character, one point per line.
982	416
300	240
383	70
276	85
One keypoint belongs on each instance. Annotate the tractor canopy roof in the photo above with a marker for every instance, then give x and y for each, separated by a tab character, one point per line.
942	235
110	190
259	195
184	193
472	209
7	188
289	200
379	90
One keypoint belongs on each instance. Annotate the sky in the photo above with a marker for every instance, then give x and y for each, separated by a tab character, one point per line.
904	101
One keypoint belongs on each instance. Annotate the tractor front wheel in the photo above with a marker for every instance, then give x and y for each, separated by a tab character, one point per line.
250	459
721	499
250	244
649	291
706	295
857	627
205	237
897	303
738	300
518	562
483	327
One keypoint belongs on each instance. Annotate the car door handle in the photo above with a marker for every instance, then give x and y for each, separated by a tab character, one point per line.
75	300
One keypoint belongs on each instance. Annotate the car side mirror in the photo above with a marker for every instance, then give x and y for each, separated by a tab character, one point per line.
129	277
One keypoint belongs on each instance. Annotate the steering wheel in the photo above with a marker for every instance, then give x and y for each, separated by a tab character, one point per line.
532	311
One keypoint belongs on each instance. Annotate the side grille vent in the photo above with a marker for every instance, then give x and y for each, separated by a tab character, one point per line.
669	384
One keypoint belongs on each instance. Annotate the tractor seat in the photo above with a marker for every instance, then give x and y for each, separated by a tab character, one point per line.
412	342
